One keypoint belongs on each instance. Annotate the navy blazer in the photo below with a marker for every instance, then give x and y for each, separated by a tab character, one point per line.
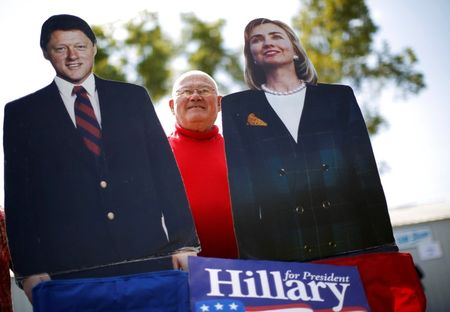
60	218
317	198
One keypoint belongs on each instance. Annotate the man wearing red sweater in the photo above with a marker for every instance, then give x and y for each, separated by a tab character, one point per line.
5	279
199	150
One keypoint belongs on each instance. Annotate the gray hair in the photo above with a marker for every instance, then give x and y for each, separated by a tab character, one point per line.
192	73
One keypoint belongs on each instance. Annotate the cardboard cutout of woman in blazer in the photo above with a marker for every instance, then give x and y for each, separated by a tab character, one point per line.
303	178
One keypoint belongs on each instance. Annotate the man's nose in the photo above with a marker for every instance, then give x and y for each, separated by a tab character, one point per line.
195	95
72	53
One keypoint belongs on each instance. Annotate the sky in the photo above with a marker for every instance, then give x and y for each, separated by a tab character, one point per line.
415	146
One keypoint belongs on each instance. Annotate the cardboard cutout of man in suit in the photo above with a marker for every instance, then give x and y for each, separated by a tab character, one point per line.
73	214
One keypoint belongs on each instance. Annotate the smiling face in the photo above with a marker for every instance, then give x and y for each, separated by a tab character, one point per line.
195	102
270	46
71	54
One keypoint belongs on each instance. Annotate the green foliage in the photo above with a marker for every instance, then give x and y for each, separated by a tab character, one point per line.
338	37
147	53
203	46
103	66
142	57
154	50
203	43
398	68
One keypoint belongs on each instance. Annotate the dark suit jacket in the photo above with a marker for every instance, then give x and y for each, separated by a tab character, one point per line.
316	198
57	212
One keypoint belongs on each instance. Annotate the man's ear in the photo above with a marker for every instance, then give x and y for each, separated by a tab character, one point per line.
171	105
219	102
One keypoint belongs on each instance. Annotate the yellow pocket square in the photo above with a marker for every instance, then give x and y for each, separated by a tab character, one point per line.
252	120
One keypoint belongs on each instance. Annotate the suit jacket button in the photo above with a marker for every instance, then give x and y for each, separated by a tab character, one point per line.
282	172
326	204
299	209
110	215
103	184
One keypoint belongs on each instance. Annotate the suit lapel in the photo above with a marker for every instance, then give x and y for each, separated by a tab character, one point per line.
311	110
261	109
64	129
278	142
264	111
269	113
107	104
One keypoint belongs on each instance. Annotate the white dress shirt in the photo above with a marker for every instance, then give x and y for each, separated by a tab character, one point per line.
65	89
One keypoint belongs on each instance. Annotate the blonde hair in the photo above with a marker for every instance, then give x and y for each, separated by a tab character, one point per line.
254	74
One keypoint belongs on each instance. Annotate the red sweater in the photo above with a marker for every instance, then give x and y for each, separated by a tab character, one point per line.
201	159
5	279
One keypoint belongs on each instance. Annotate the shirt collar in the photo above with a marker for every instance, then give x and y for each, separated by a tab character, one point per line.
66	87
196	134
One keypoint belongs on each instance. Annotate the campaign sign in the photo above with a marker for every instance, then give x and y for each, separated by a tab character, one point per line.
250	285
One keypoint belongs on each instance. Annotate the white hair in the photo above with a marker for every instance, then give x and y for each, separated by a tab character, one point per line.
192	73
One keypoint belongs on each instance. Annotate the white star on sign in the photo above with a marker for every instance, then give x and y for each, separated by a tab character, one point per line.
233	306
204	308
218	306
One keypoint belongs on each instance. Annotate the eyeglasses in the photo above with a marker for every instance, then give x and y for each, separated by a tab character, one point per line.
203	91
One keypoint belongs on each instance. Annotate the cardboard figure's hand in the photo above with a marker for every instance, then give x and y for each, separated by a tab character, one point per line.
30	281
180	260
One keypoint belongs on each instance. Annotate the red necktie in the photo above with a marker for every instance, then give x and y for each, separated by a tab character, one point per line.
86	121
